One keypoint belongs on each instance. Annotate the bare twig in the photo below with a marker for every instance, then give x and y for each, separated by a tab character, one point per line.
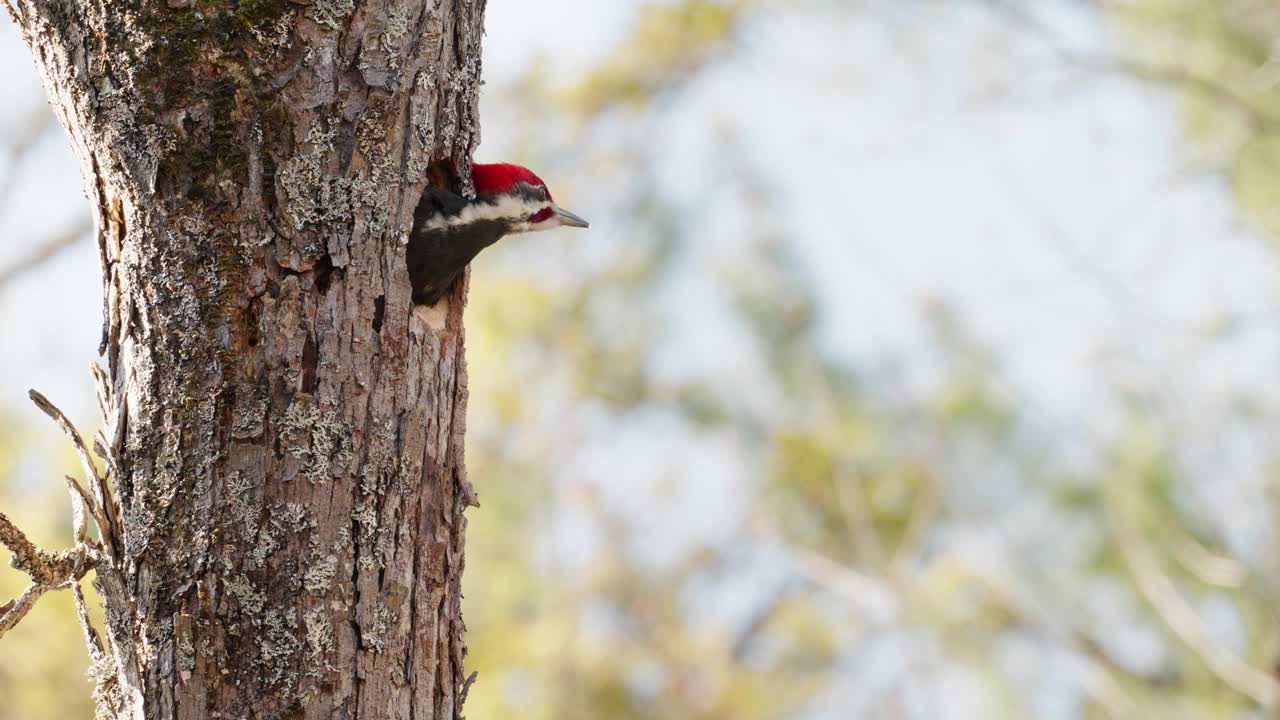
47	571
98	485
13	13
26	556
466	687
91	638
1209	567
77	491
12	612
112	408
48	408
1158	590
102	390
78	522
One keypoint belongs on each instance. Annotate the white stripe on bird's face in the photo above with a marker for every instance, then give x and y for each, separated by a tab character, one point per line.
514	209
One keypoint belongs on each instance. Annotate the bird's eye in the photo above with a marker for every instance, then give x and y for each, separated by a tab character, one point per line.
531	191
541	215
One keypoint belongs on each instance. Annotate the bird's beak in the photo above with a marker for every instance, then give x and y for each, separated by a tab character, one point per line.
568	218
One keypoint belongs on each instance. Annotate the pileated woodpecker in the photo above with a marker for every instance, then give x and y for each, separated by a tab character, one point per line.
449	230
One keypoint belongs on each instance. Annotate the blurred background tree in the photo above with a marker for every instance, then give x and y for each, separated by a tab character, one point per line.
917	366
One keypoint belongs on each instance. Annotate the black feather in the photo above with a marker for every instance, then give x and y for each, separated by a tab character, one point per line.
437	256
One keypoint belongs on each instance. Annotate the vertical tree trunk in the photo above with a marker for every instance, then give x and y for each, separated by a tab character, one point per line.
283	431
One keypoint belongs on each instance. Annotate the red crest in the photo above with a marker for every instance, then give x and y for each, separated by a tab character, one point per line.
502	177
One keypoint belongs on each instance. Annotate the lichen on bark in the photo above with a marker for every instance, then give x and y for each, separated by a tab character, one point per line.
284	434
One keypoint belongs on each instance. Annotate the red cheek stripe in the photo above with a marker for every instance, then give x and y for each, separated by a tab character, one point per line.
543	214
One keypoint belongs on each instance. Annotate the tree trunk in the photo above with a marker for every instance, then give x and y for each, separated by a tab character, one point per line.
283	431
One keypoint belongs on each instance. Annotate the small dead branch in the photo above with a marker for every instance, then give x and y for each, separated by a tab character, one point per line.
13	611
70	431
80	499
26	556
14	15
56	571
103	504
466	687
91	639
48	571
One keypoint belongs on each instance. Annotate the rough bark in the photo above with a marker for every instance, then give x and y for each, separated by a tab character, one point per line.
283	432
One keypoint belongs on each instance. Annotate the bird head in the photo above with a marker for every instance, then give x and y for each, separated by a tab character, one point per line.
521	198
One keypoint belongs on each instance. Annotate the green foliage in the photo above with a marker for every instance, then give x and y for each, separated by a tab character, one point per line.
1219	55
